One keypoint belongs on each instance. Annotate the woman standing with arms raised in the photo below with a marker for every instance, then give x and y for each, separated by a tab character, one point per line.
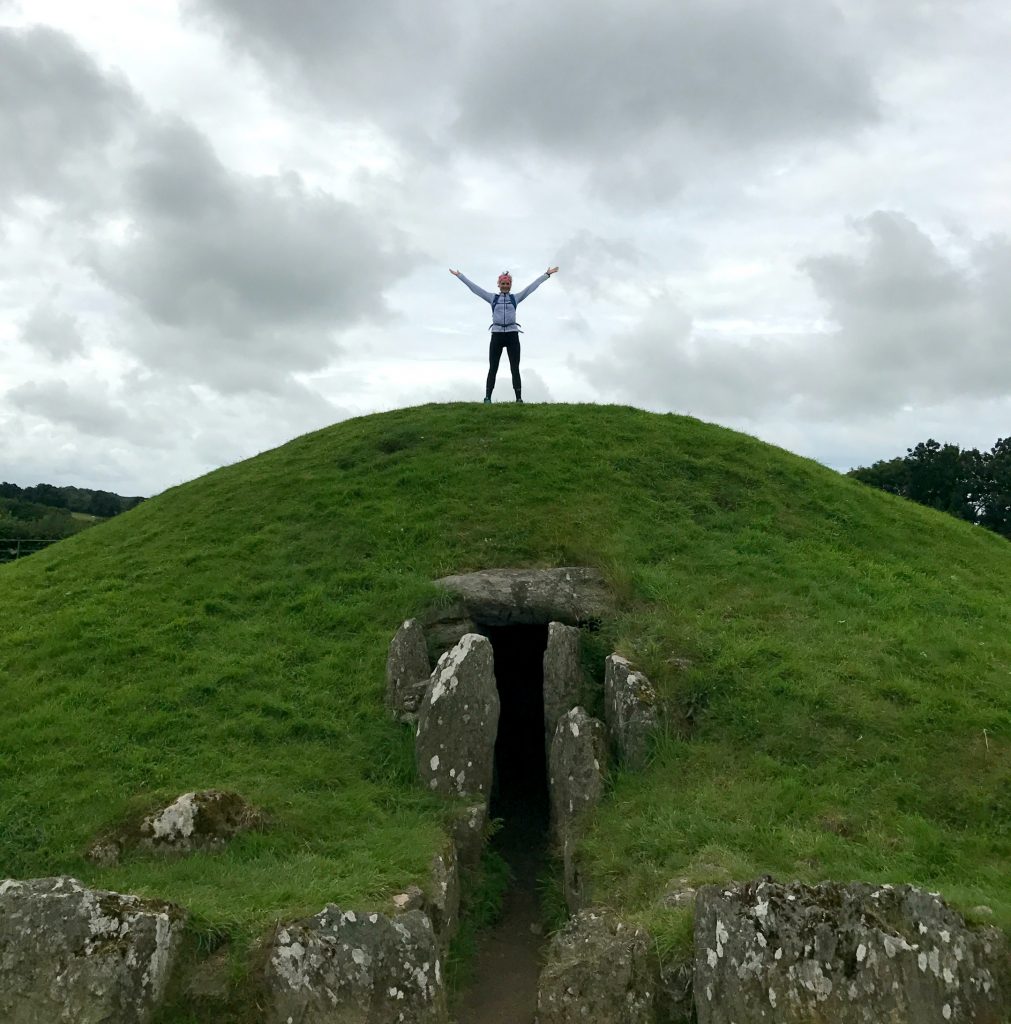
505	333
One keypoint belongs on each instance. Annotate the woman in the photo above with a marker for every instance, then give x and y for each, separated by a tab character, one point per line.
505	332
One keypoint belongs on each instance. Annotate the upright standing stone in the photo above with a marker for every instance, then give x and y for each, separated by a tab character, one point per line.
850	954
563	676
455	743
407	670
576	783
630	710
354	968
598	971
68	953
576	770
443	901
467	832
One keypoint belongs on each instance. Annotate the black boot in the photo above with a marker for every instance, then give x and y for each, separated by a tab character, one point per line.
519	396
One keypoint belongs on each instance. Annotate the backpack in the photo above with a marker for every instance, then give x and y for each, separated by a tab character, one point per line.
497	300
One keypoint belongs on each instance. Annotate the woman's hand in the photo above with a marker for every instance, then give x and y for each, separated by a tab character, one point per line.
456	273
551	270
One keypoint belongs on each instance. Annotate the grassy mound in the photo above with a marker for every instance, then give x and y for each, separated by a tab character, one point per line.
836	662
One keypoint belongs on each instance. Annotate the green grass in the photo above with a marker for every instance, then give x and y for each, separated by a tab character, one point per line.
836	662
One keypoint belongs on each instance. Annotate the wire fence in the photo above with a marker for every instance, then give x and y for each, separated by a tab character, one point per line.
15	548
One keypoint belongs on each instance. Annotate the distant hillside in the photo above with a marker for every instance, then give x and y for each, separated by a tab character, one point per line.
48	513
833	662
102	504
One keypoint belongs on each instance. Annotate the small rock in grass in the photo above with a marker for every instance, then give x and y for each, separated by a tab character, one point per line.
194	821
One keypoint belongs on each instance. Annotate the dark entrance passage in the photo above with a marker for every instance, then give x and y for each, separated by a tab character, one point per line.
520	792
504	990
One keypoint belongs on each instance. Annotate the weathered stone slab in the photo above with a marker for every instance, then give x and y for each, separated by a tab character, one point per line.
455	741
576	883
443	900
576	783
576	770
352	968
69	953
511	597
849	954
598	970
468	834
407	671
563	676
630	710
446	627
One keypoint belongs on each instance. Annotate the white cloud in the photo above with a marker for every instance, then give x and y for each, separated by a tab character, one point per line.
911	325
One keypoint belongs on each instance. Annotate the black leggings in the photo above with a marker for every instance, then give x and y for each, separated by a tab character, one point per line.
510	341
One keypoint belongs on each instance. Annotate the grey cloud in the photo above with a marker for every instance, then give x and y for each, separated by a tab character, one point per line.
355	59
591	261
241	279
182	431
52	331
663	363
911	326
58	113
231	279
733	73
639	95
92	410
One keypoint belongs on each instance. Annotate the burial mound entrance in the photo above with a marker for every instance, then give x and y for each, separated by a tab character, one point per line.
509	957
509	672
520	790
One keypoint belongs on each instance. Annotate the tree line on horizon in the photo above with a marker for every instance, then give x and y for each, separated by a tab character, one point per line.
47	512
964	482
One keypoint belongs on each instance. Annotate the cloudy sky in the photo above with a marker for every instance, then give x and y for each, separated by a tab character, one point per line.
226	222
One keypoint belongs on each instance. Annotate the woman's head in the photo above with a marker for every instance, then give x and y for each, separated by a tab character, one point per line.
505	281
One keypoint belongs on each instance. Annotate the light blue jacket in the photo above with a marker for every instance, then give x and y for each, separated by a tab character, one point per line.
503	313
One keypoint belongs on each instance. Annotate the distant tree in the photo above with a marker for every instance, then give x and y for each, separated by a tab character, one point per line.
76	499
28	521
973	485
24	511
891	475
944	477
46	494
994	489
104	504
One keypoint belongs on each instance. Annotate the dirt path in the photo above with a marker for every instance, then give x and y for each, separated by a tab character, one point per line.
504	989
